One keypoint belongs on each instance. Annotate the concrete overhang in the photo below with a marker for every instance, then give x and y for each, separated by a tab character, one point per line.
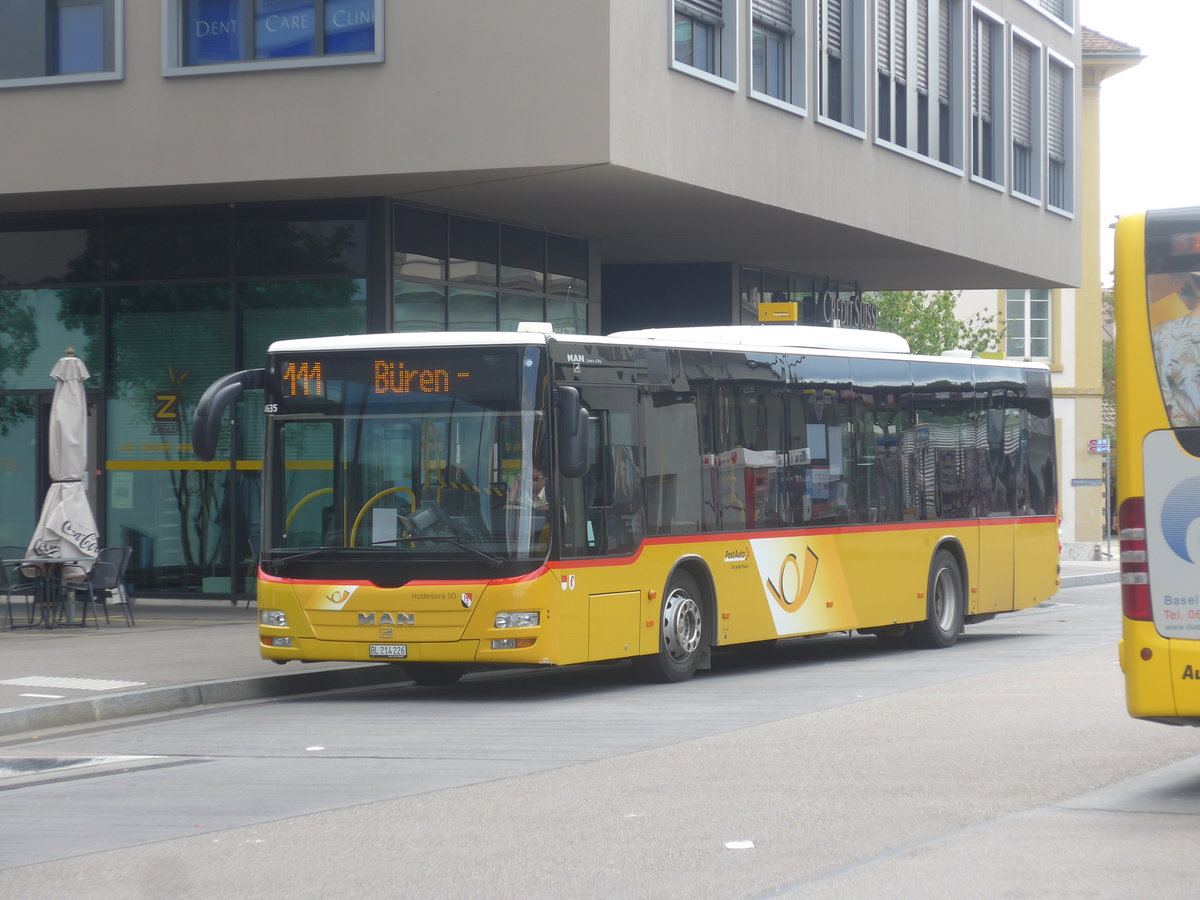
637	218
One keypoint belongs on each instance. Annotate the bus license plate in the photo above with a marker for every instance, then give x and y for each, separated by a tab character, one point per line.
389	651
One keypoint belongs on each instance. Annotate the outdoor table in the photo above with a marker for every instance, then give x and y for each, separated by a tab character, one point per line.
49	592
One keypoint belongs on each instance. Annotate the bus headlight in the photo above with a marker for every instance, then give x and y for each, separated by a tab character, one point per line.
518	619
276	618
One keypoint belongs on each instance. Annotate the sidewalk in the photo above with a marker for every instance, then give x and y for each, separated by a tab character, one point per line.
1076	573
180	654
189	653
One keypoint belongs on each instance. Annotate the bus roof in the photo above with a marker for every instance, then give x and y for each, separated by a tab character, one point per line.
408	339
780	336
805	337
783	338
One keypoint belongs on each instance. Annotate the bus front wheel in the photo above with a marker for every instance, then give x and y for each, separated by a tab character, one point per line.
944	603
681	634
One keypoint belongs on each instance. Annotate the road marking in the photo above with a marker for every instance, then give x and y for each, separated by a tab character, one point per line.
71	684
45	696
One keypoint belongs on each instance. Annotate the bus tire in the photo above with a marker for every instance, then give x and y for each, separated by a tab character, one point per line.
429	674
681	634
944	604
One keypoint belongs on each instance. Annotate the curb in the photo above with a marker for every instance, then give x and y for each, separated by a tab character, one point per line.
187	696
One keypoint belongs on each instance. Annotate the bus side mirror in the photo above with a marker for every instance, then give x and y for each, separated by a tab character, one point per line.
572	432
206	420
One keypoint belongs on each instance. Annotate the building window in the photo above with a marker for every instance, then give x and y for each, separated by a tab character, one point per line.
455	273
57	41
241	35
891	66
918	64
987	91
949	83
703	38
1026	118
1027	324
841	43
1060	135
1062	10
776	54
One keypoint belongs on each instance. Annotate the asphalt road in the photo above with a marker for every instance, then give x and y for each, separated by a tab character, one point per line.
1005	766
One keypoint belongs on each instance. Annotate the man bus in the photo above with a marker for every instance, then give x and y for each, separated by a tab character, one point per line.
704	488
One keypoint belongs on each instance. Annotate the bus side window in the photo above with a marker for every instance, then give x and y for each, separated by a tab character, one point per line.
672	462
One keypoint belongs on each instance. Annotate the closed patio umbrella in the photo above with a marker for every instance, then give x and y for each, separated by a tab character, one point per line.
67	527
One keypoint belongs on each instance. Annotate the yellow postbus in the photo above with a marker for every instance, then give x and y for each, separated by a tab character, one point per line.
1157	303
463	500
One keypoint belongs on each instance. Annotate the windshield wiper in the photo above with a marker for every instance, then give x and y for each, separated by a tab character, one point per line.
494	561
303	554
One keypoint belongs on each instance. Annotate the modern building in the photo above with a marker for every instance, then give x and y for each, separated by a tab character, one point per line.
1064	327
184	181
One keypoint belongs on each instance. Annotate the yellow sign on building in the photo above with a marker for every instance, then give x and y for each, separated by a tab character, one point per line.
786	311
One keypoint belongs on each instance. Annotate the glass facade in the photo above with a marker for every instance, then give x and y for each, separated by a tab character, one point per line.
159	303
39	325
820	301
462	274
167	342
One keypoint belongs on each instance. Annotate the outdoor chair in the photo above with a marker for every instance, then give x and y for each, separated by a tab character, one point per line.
105	577
14	583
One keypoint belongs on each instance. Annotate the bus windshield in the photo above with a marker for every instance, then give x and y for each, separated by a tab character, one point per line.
431	454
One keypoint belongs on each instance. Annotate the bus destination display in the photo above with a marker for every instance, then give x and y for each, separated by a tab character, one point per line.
392	376
306	378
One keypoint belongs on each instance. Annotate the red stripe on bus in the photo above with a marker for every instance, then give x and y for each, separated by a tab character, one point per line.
712	537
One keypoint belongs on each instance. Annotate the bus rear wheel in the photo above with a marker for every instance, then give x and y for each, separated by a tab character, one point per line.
945	604
681	634
434	674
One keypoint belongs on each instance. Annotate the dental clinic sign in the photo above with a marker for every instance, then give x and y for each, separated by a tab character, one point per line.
229	31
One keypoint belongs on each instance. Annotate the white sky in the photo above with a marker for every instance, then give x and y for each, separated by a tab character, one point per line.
1149	121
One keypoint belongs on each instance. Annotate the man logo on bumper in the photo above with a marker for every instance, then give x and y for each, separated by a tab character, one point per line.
387	619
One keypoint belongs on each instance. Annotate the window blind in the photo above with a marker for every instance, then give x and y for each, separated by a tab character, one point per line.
981	80
883	35
1057	8
1022	100
923	46
708	10
833	27
775	14
944	52
1056	124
